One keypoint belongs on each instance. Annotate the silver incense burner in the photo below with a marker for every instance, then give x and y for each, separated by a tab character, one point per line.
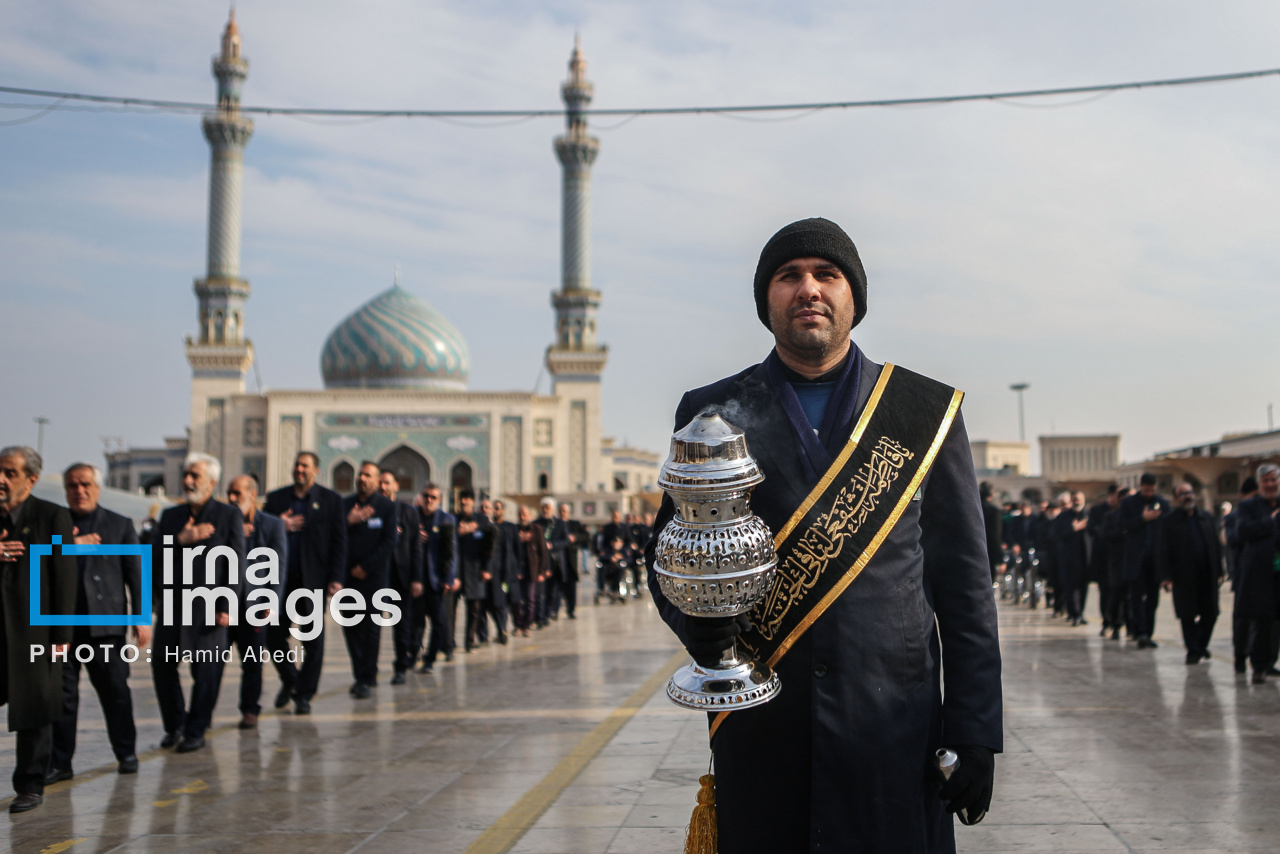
715	558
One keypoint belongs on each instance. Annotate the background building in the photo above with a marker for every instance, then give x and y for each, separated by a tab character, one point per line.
395	370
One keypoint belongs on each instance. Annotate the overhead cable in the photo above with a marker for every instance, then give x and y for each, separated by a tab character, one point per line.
192	106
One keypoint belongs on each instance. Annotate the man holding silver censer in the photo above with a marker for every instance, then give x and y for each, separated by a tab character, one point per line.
821	554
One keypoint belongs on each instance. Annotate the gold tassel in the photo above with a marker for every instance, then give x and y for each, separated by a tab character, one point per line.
702	838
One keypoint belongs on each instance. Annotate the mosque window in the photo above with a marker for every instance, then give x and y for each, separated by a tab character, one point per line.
255	432
544	482
542	432
344	477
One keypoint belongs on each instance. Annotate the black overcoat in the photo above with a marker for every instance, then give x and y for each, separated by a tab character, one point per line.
1071	548
228	530
1195	583
840	760
33	689
112	583
406	560
1139	534
475	551
1098	542
1256	579
322	542
440	552
370	544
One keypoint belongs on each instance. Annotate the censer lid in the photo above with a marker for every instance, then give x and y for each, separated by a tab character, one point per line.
709	452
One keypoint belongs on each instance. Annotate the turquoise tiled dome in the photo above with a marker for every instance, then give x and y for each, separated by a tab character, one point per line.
396	341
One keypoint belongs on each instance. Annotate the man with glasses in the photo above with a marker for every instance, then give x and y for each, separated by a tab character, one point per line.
1190	563
438	530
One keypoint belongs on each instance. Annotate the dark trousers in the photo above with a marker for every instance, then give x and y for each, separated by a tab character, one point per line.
562	591
407	634
495	606
1071	588
1239	635
177	717
1260	633
475	621
1196	632
433	608
364	640
109	676
301	681
251	641
527	607
1144	598
31	762
1117	605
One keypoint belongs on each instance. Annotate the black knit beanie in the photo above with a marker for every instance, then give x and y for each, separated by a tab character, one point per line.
811	238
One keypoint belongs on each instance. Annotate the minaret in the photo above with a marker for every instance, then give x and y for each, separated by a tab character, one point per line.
221	354
575	361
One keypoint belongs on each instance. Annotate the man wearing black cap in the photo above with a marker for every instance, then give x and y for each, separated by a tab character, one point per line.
868	474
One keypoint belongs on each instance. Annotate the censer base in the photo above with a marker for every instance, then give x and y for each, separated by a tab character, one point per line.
707	689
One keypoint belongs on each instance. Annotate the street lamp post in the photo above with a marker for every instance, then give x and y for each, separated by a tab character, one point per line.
40	420
1022	426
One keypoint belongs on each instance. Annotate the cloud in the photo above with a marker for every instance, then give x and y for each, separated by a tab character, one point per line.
1116	254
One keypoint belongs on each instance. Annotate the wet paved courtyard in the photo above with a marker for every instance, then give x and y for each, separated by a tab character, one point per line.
565	743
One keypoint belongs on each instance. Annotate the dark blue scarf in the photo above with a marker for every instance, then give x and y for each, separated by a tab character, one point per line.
820	449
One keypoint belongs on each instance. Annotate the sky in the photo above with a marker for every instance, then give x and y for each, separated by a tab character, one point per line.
1117	253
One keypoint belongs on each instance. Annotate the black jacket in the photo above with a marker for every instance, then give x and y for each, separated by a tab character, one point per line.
1195	577
440	550
322	542
106	579
33	689
841	759
406	560
1139	534
475	550
1259	535
228	530
370	543
1072	547
268	532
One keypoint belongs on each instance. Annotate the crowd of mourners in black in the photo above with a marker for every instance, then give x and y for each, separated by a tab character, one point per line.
1133	544
488	571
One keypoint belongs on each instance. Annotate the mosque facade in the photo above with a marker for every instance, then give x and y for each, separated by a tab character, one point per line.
395	370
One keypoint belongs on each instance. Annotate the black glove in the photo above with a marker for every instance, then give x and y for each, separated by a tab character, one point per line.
969	788
707	637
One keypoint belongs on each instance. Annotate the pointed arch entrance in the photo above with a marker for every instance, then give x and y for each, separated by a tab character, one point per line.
460	479
411	469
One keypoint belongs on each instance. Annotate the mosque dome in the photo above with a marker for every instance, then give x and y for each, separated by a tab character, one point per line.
396	341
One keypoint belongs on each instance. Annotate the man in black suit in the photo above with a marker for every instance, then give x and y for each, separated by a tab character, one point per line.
261	531
1098	547
1073	556
1138	518
1189	561
864	665
406	577
574	537
475	550
316	531
371	540
104	581
440	560
32	686
200	523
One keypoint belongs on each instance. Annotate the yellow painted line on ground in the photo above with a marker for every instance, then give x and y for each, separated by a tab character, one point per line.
513	824
59	847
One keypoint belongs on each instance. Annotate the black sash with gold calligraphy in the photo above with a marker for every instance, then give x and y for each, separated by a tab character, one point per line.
838	528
